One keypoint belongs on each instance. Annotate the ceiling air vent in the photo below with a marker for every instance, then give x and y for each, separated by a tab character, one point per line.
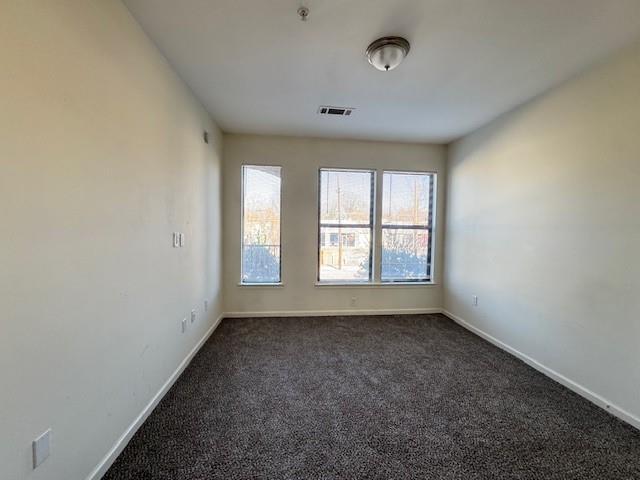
339	111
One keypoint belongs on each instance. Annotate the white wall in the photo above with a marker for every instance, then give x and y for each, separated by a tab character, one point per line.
301	158
102	159
543	224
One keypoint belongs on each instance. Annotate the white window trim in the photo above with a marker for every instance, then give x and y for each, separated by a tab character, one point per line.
376	284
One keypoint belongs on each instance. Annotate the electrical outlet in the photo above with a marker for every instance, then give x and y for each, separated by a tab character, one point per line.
182	239
41	448
176	240
184	325
353	301
206	305
193	316
475	300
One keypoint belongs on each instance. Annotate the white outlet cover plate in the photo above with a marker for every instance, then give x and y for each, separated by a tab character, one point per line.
41	448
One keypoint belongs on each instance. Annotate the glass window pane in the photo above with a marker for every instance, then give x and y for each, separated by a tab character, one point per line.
345	255
261	224
345	197
405	254
405	198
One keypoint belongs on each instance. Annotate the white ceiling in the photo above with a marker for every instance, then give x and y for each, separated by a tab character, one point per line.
259	69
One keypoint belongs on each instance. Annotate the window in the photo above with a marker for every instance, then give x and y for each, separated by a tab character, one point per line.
349	239
261	224
346	225
407	202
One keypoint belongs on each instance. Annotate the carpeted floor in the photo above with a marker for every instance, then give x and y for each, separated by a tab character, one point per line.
388	397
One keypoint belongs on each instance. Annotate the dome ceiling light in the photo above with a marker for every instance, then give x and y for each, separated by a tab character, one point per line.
386	53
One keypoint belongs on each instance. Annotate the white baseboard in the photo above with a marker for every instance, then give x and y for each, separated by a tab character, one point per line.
558	377
332	313
122	442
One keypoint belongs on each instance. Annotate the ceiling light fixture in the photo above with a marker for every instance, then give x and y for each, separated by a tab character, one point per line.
386	53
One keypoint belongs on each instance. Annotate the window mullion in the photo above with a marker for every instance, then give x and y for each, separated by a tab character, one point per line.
346	225
406	227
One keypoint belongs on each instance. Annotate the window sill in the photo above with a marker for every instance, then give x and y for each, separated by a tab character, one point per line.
268	285
375	284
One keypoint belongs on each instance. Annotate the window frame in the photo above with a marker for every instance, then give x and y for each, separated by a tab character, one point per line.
242	191
371	225
429	228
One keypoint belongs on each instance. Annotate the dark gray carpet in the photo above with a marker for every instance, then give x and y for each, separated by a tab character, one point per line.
393	397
